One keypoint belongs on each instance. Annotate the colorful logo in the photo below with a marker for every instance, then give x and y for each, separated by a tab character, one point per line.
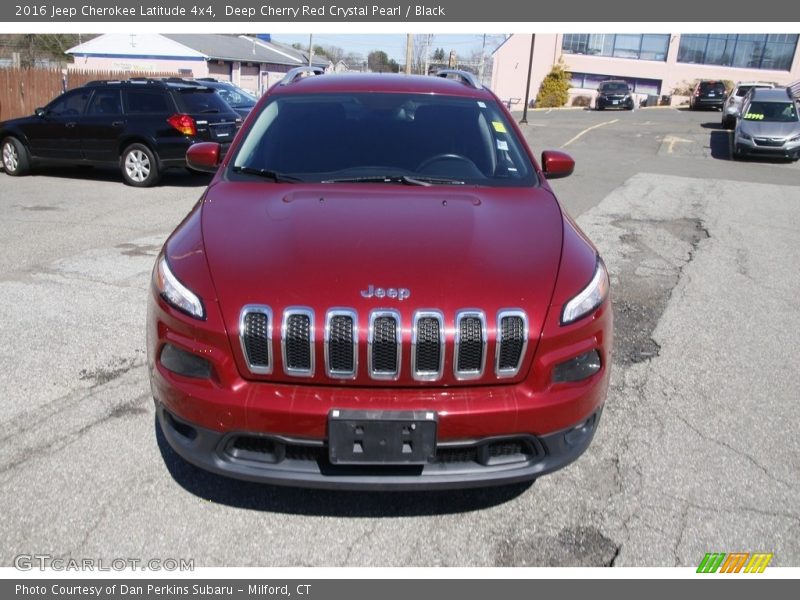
735	562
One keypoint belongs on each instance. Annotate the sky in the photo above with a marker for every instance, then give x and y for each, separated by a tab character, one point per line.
394	44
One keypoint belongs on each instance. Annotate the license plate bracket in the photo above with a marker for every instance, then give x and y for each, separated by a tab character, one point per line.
357	437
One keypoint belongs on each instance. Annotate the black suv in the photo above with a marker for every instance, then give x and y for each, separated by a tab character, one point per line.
614	93
141	125
708	94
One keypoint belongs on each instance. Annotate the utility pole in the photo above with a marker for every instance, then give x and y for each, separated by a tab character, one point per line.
310	48
483	57
409	48
427	53
524	119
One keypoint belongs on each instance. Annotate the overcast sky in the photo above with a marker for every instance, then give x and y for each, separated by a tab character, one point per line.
393	44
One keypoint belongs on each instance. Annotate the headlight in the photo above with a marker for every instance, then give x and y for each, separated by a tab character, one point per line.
589	297
174	292
745	136
795	138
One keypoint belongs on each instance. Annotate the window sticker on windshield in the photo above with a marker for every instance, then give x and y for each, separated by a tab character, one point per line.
502	145
481	104
754	117
499	127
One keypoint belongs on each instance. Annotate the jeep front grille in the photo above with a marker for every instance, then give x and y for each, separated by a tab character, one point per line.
429	350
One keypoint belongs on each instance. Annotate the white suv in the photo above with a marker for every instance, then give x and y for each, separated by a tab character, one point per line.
733	103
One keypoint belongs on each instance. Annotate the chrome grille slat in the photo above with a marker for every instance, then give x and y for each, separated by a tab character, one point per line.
297	341
428	345
255	336
470	344
512	341
384	344
341	343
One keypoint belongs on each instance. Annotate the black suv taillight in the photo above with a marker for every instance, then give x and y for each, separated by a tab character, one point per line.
183	123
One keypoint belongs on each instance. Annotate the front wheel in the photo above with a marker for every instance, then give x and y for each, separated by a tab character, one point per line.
15	157
139	166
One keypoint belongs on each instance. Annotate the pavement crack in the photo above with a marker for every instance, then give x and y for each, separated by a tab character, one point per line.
735	450
357	542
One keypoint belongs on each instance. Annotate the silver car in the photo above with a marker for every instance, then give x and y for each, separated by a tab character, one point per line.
733	103
769	125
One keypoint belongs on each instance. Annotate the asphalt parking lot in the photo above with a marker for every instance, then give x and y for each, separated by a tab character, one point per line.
696	451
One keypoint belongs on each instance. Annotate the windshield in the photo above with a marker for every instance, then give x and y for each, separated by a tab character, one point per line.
716	87
775	112
614	87
236	98
387	137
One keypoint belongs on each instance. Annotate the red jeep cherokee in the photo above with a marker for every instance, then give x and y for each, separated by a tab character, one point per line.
379	290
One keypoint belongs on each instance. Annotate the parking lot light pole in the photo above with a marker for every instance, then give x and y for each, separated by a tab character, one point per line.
524	119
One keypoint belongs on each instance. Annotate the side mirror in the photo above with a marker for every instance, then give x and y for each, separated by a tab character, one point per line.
39	112
557	164
203	157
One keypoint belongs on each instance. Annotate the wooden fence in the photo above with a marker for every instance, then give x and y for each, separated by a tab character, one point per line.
23	90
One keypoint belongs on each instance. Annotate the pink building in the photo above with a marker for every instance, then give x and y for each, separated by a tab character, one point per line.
651	63
252	63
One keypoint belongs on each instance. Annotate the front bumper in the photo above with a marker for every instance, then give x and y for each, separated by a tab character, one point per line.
625	103
750	147
304	463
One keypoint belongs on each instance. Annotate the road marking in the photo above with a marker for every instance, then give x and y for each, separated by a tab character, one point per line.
587	130
671	140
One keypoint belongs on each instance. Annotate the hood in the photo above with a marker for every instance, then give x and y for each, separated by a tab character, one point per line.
770	129
320	246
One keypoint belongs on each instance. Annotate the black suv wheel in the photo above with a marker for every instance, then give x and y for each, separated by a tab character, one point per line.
15	157
139	166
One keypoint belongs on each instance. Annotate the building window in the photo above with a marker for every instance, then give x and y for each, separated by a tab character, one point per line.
620	45
591	81
749	51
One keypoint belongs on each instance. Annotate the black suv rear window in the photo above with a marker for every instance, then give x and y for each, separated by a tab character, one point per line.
201	101
712	86
367	136
147	102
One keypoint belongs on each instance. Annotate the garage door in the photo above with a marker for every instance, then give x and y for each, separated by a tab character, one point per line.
222	72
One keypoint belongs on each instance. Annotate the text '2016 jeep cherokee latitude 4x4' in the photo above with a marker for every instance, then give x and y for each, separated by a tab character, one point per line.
379	290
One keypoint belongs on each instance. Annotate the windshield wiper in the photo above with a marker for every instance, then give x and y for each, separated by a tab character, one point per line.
267	174
404	179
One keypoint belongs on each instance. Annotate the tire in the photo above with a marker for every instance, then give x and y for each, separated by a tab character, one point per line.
139	166
16	161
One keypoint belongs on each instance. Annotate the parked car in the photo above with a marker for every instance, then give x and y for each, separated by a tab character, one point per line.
143	126
708	94
769	124
379	290
614	93
733	103
239	100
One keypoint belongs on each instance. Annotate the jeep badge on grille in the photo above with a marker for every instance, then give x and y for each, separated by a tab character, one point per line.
377	292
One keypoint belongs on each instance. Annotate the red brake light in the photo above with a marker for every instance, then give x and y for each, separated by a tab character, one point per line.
183	123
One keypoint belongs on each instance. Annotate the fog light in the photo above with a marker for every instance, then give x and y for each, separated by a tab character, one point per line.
578	368
185	363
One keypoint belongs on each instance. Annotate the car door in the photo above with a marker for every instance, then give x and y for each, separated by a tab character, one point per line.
54	134
100	127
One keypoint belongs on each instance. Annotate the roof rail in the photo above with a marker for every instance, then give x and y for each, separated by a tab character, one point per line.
299	72
794	89
465	76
